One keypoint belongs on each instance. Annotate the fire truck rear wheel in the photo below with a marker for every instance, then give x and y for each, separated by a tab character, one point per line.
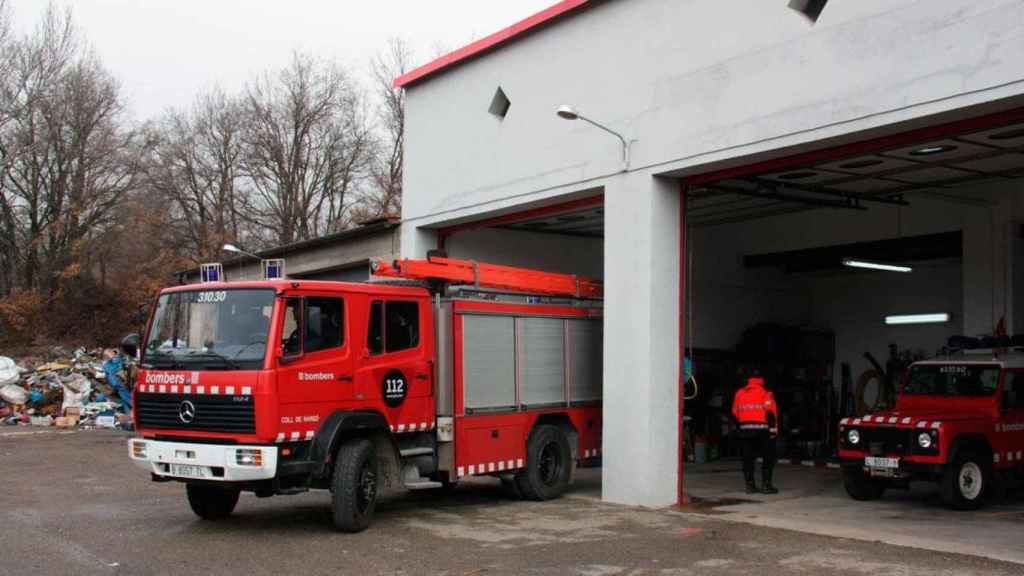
211	502
354	485
966	481
860	486
548	464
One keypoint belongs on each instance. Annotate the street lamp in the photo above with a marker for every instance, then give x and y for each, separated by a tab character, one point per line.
567	112
237	250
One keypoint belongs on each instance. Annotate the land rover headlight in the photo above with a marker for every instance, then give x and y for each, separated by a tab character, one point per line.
853	437
924	440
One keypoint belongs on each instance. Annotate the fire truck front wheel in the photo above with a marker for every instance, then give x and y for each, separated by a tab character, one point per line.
860	486
211	502
548	464
354	485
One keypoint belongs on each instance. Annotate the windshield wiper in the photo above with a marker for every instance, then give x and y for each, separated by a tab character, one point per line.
227	362
163	360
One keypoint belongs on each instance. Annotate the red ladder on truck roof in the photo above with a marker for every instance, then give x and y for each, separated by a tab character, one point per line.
480	275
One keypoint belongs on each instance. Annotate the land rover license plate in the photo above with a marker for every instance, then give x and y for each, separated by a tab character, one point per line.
882	464
189	471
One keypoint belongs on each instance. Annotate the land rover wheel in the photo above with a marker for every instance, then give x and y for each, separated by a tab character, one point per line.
860	486
354	485
966	481
211	502
549	464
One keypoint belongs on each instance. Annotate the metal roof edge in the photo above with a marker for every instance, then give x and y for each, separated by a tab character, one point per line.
488	43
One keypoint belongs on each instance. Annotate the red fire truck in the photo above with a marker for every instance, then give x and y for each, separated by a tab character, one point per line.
281	386
958	421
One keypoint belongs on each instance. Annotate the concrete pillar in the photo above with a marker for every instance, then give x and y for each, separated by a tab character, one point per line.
641	341
416	241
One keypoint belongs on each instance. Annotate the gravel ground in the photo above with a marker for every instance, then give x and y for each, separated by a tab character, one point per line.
73	503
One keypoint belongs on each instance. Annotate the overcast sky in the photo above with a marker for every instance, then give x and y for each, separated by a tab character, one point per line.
166	51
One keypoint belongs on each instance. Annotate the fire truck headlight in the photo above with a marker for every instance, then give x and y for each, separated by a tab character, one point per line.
248	457
924	440
853	437
138	449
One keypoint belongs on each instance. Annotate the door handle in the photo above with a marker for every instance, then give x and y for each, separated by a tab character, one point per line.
345	378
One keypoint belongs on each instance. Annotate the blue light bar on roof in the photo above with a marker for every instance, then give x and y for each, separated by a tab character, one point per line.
213	272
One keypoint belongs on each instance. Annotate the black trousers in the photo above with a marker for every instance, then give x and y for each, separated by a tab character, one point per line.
757	443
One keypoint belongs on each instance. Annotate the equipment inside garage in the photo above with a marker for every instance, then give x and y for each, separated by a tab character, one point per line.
828	272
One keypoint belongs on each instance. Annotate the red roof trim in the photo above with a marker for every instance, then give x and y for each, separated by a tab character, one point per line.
490	42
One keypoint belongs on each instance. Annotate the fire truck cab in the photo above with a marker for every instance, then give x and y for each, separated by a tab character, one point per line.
277	387
958	421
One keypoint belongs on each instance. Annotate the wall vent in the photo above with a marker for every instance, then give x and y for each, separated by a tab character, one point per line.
500	104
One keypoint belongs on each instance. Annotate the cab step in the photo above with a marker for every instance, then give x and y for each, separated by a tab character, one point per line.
423	484
417	451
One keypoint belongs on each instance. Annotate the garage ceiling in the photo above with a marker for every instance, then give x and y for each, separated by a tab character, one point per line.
937	167
856	182
587	222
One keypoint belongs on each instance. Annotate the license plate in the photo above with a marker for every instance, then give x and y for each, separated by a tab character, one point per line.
882	463
189	471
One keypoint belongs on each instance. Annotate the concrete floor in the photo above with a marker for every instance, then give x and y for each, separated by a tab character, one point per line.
72	503
813	500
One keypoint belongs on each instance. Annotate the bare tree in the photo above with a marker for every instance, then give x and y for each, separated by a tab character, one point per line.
307	146
196	167
385	197
68	160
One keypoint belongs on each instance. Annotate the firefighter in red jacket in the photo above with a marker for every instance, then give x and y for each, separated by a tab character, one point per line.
758	416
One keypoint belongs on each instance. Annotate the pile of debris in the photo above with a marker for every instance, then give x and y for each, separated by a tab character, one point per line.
69	389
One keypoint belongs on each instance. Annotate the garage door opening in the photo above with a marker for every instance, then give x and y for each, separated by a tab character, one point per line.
801	269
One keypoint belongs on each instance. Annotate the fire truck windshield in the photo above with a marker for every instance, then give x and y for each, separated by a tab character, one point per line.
210	330
952	380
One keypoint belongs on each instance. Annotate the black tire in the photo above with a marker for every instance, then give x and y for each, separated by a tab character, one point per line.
354	485
549	464
860	486
967	481
211	502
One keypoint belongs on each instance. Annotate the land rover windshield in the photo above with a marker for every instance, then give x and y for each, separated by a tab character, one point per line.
962	380
210	330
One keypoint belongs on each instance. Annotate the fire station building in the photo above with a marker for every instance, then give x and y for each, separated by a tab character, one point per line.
756	191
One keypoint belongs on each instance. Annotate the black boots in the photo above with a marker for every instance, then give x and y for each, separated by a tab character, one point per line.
751	487
766	479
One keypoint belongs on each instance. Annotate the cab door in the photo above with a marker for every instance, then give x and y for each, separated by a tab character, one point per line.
396	368
316	363
1010	431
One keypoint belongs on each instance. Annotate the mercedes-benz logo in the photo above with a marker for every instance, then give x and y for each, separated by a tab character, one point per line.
187	412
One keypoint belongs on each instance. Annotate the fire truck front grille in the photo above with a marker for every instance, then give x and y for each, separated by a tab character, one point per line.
887	441
199	413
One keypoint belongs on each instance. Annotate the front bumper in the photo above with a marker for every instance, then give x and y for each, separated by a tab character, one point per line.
158	456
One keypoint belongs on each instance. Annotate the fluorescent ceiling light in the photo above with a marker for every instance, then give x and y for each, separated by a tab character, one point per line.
854	263
939	318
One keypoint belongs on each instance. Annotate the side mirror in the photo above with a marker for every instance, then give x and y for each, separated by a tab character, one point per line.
130	345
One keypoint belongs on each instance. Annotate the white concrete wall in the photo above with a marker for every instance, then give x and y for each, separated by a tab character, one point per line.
696	82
